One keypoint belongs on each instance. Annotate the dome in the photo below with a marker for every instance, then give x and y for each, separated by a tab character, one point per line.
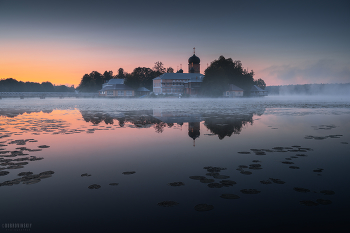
194	59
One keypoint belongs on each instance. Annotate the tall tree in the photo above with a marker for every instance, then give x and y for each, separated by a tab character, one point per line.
108	75
260	83
159	68
141	77
223	72
120	74
170	70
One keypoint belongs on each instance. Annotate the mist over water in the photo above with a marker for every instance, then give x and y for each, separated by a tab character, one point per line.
272	164
311	89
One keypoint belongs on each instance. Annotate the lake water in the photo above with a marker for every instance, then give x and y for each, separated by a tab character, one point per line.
274	164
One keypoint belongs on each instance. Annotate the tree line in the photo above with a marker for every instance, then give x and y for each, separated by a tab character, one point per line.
139	77
12	85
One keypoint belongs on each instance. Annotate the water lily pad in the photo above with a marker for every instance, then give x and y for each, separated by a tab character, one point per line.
327	192
265	182
114	184
246	172
243	152
197	177
324	202
229	196
85	174
250	191
167	203
94	186
4	173
287	162
308	203
206	181
318	170
176	184
221	177
43	146
301	190
203	207
277	181
215	185
47	173
129	173
228	183
32	181
25	173
294	167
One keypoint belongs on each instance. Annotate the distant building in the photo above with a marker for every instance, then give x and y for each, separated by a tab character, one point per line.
116	88
180	83
142	91
233	91
257	91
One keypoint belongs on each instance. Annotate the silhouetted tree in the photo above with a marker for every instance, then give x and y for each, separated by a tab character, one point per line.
108	75
260	83
223	72
120	74
170	70
159	68
141	77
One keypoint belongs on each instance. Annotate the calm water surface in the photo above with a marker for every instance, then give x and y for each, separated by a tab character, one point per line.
284	161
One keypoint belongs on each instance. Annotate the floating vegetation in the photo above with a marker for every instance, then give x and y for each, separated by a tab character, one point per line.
327	192
128	173
288	159
246	172
94	186
215	185
243	152
207	181
228	183
113	184
250	191
318	170
32	181
287	162
322	138
301	190
25	173
4	173
260	153
212	174
308	203
256	161
221	177
197	177
242	166
294	167
229	196
344	142
203	207
265	182
323	201
43	146
277	181
85	174
47	173
301	155
176	184
167	203
255	150
214	169
255	166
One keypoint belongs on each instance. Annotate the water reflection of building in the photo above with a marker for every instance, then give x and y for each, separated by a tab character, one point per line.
222	125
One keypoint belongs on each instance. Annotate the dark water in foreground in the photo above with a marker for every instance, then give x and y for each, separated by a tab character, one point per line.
260	165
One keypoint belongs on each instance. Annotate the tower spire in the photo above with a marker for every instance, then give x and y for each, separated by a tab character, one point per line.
194	50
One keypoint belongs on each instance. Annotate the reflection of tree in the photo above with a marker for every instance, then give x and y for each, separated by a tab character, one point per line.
14	113
159	127
226	126
170	125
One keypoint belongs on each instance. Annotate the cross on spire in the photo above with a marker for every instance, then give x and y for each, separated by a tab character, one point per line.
194	50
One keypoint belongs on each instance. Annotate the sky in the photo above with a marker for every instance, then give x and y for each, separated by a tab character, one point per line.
283	42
